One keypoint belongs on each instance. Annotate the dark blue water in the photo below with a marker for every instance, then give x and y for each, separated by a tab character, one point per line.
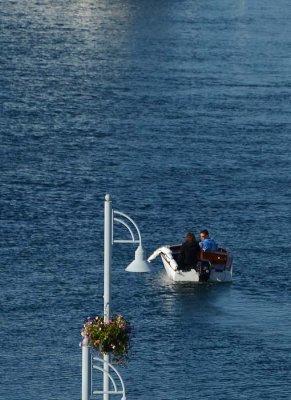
180	110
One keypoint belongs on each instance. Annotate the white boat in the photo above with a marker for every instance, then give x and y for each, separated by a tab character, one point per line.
212	267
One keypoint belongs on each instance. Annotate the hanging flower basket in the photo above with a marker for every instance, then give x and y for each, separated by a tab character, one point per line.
109	338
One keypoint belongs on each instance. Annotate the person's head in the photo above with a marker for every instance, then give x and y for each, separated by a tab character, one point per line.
190	237
204	234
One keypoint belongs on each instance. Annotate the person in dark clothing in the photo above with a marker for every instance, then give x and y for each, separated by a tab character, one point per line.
189	253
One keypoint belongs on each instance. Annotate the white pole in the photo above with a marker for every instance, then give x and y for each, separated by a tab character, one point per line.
86	370
108	221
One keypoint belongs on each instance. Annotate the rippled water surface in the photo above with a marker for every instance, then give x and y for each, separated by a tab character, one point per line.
180	110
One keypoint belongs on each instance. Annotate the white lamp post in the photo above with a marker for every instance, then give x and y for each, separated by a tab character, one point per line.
139	264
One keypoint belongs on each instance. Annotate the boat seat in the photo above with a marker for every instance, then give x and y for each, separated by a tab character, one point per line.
215	257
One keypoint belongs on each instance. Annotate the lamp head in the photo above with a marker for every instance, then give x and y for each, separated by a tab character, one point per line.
139	264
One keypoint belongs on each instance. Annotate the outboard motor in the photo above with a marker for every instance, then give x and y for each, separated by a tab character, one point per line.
203	268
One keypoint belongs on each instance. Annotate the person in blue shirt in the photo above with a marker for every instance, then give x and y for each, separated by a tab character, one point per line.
206	243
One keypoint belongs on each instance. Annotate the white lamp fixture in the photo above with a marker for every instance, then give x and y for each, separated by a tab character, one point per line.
139	264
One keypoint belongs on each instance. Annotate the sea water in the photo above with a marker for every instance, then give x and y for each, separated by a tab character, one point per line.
181	111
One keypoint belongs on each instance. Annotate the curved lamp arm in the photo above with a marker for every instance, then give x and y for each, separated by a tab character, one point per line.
128	227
